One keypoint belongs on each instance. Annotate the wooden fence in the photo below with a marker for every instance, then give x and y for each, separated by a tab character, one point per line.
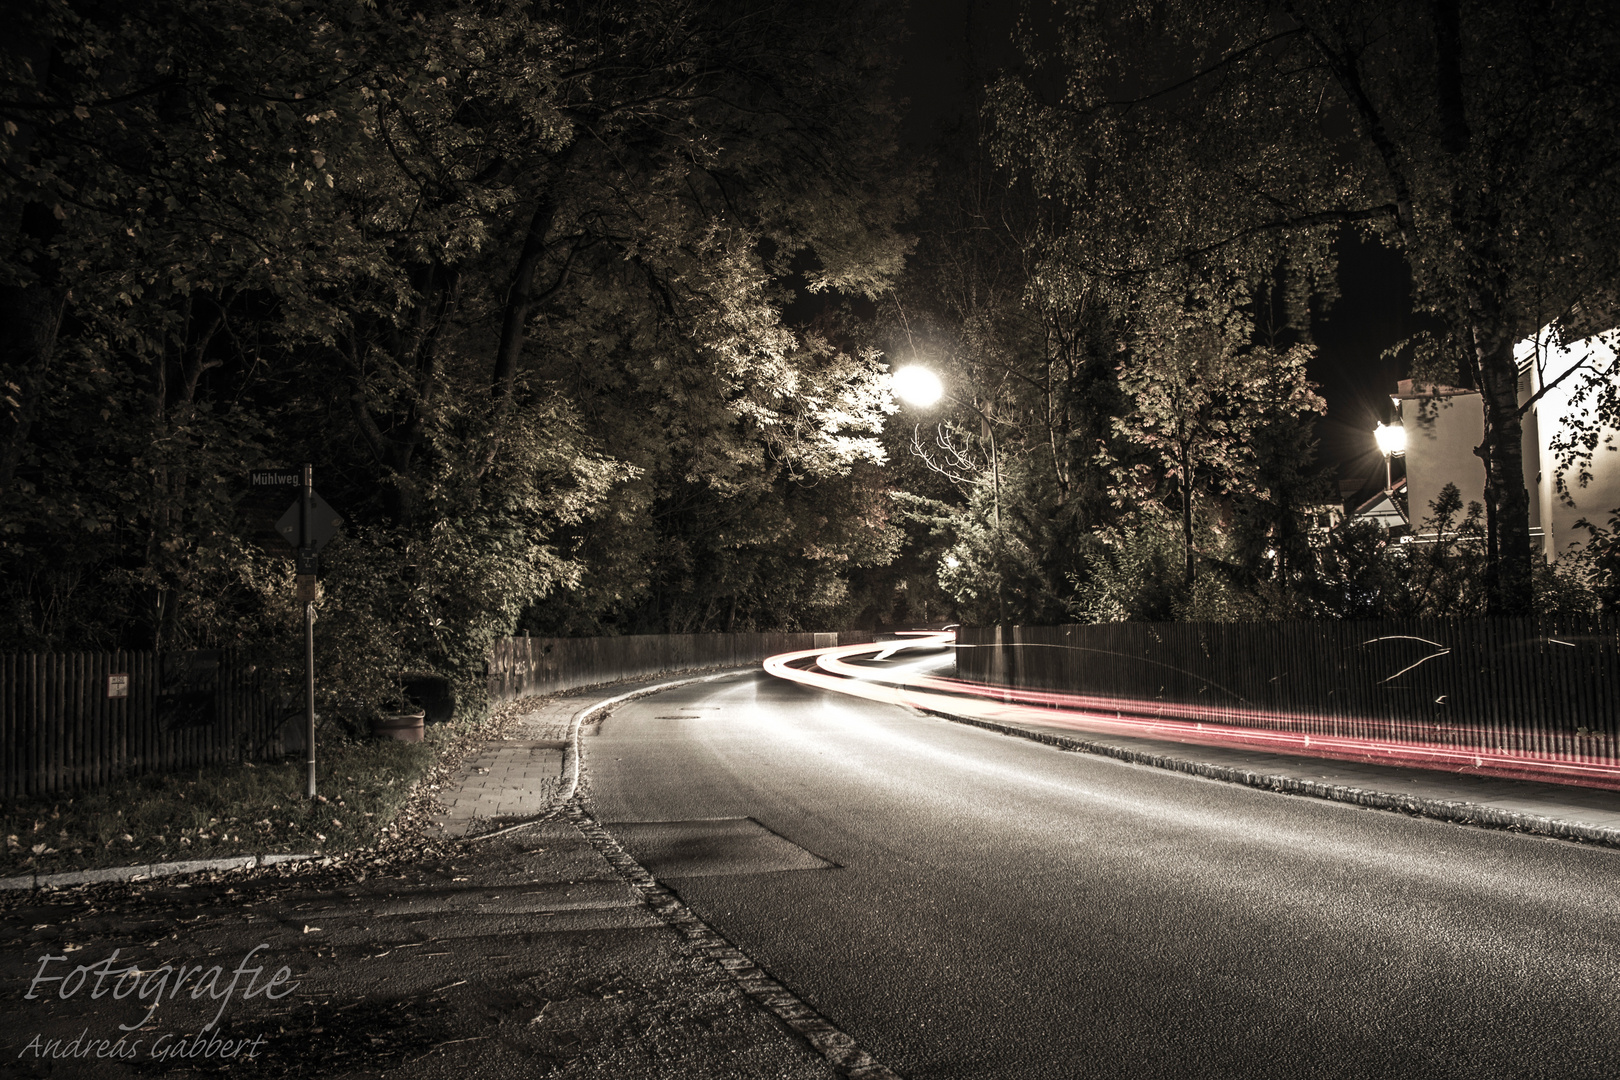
73	721
524	666
1547	687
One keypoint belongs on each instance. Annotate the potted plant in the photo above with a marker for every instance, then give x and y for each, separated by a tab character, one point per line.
407	722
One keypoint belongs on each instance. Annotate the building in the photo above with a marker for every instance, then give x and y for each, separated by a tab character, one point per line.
1596	495
1444	424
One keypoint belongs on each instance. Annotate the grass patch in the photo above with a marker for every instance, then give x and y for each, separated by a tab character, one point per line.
245	809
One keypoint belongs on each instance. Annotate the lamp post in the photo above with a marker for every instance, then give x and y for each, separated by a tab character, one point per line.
922	388
1391	439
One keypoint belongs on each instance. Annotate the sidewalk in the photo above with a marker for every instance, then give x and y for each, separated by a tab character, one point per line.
1558	810
543	948
516	777
534	770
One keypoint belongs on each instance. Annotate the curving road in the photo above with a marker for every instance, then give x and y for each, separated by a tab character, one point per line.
965	904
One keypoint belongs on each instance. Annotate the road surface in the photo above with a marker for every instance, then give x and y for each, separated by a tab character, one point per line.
966	904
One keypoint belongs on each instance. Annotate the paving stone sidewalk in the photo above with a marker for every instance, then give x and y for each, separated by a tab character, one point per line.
516	776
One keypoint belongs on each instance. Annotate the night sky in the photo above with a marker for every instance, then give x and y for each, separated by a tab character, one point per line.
955	44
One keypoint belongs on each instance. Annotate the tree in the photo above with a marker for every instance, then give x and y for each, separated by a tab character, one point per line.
1202	396
510	274
1028	352
1466	135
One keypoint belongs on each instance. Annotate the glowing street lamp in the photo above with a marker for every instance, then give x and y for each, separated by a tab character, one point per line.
922	388
918	385
1391	439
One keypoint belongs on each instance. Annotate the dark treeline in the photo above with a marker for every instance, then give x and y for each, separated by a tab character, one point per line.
513	277
509	275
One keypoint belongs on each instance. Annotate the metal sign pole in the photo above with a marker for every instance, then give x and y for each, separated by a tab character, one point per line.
305	546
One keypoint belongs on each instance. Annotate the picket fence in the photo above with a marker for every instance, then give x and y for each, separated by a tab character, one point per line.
73	721
1538	686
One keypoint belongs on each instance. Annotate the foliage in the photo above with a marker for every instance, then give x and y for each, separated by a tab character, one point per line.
1084	405
1201	396
1030	365
1587	579
1464	135
511	275
1365	573
1132	578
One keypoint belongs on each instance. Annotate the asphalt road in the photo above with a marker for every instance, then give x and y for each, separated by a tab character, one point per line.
966	904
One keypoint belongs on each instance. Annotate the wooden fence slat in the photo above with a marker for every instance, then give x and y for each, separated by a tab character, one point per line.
8	718
75	726
55	679
10	755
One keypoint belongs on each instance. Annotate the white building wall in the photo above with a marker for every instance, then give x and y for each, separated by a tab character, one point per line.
1442	429
1547	364
1445	424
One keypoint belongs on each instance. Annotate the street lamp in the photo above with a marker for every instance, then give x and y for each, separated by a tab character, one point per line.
1391	439
922	388
918	385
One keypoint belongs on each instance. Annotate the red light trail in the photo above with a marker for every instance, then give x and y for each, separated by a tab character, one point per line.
1340	738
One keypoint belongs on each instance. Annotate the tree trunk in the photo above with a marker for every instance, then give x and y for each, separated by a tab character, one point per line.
1475	221
1187	517
520	298
1508	580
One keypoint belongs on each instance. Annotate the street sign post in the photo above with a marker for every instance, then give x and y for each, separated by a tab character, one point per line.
308	525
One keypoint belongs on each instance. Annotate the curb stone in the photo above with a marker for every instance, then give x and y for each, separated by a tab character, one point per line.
1462	813
143	871
842	1052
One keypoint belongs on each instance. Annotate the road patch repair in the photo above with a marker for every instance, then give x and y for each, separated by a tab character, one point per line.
711	847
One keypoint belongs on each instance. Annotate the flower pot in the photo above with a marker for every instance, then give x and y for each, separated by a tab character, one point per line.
406	727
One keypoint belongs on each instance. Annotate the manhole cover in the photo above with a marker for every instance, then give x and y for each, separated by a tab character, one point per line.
711	847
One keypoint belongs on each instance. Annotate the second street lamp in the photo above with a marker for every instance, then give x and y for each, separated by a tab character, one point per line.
1391	439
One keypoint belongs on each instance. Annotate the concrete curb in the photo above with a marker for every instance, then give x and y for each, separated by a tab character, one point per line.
1464	813
141	872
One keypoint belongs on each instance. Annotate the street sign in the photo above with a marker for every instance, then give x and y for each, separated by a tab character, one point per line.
274	478
307	562
324	522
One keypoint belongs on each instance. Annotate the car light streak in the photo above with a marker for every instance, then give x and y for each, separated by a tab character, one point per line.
1385	742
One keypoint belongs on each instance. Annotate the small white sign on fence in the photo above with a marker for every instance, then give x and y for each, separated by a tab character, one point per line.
118	686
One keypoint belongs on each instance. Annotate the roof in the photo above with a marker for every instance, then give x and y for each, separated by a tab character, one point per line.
1383	508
